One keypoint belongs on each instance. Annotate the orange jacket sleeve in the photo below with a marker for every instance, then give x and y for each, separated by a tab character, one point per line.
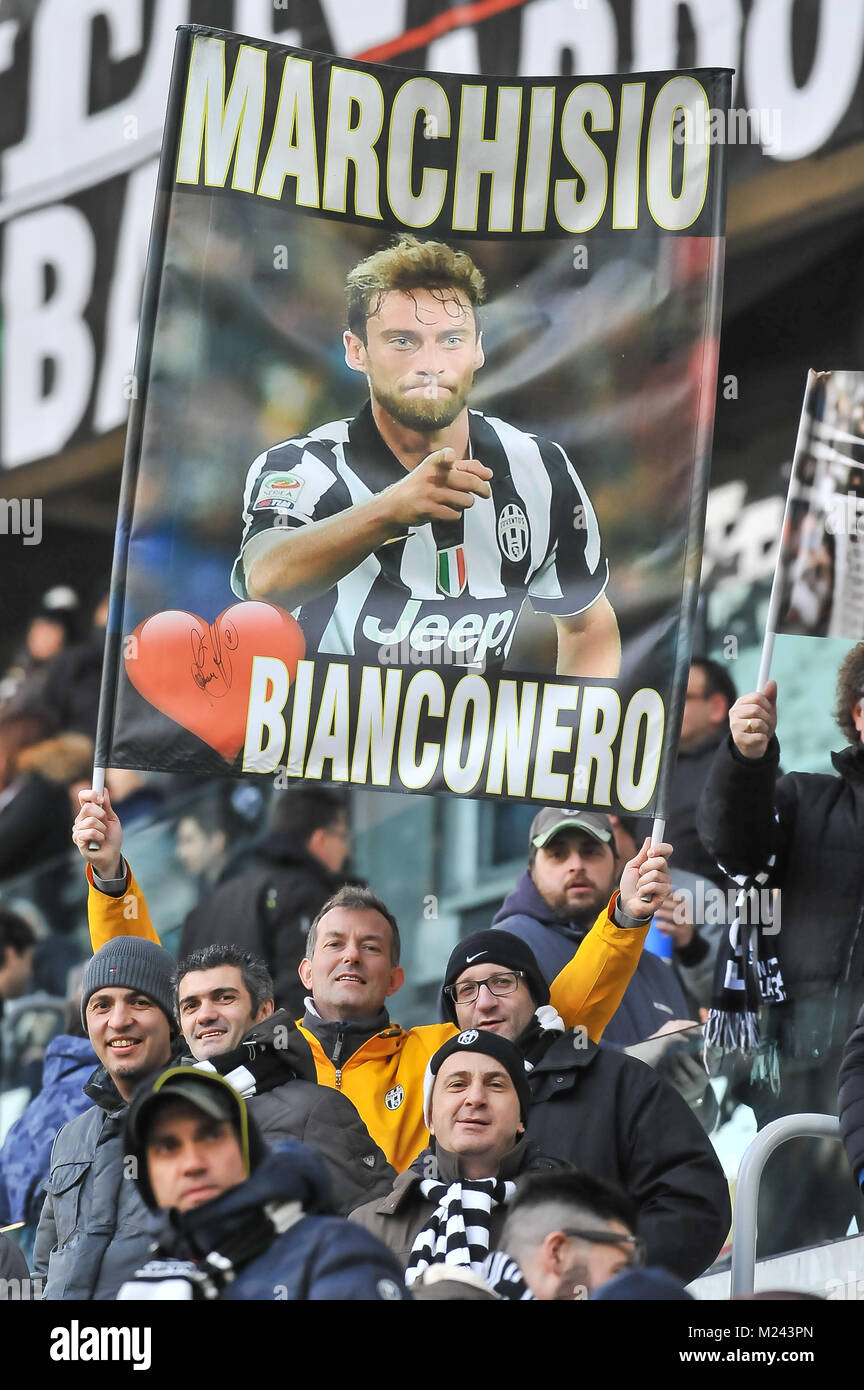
127	915
591	986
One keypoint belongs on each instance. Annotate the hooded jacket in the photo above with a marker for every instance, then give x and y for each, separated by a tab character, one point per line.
288	1103
614	1117
653	995
381	1067
25	1158
399	1218
94	1230
268	909
317	1258
820	868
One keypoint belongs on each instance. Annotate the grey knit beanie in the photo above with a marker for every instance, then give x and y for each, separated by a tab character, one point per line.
132	963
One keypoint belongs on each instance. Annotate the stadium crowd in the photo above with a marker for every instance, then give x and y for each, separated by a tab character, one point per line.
242	1117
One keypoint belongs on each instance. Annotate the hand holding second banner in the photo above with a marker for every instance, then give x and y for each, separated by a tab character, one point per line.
752	721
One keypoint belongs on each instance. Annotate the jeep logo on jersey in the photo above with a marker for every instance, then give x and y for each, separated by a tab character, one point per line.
394	1098
466	1039
470	635
513	533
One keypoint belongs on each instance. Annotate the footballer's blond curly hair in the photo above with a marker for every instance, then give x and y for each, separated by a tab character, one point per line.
409	264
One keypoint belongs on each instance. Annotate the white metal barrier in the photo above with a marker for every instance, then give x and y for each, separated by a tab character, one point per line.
753	1162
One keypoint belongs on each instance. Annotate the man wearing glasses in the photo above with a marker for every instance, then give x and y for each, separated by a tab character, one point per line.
351	970
606	1113
570	1233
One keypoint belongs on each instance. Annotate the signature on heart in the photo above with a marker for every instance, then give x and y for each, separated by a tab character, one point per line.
211	662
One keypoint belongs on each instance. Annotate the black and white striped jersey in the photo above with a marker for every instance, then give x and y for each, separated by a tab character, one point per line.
447	591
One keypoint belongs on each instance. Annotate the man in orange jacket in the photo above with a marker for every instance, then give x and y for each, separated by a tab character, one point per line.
352	968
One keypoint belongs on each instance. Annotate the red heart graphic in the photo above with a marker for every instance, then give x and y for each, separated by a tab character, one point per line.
199	673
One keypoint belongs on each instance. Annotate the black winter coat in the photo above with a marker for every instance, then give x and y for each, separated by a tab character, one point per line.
688	780
34	826
268	909
820	865
851	1100
614	1117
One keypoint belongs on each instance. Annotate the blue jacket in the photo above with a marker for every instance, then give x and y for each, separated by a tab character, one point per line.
319	1258
653	996
25	1158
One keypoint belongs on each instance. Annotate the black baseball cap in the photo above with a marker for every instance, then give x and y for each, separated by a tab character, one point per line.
206	1091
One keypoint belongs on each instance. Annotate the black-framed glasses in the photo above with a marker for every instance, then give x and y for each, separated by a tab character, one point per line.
636	1243
466	991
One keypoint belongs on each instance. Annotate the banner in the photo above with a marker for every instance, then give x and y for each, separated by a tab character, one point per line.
85	87
415	475
820	574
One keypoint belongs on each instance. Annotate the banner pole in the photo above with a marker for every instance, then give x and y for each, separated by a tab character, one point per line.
766	658
112	659
98	785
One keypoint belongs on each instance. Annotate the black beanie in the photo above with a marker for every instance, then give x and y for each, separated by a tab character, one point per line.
489	1044
499	948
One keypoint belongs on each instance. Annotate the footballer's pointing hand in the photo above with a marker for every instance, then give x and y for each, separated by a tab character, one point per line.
97	823
645	882
438	489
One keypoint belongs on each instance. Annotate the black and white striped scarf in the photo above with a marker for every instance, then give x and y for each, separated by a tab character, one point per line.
459	1230
504	1277
739	989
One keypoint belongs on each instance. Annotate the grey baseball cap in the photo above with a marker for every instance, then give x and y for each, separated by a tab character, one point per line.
551	819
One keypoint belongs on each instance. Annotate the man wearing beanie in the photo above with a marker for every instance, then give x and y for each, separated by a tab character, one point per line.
94	1229
239	1221
352	969
608	1114
449	1207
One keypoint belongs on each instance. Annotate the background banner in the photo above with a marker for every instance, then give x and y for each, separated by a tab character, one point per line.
821	565
305	585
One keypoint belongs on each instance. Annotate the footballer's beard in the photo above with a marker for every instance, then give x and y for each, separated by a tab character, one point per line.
423	413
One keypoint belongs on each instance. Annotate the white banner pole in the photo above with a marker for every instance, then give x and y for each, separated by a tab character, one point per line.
98	785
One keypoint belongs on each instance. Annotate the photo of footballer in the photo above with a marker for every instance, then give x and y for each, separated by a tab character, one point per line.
417	530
